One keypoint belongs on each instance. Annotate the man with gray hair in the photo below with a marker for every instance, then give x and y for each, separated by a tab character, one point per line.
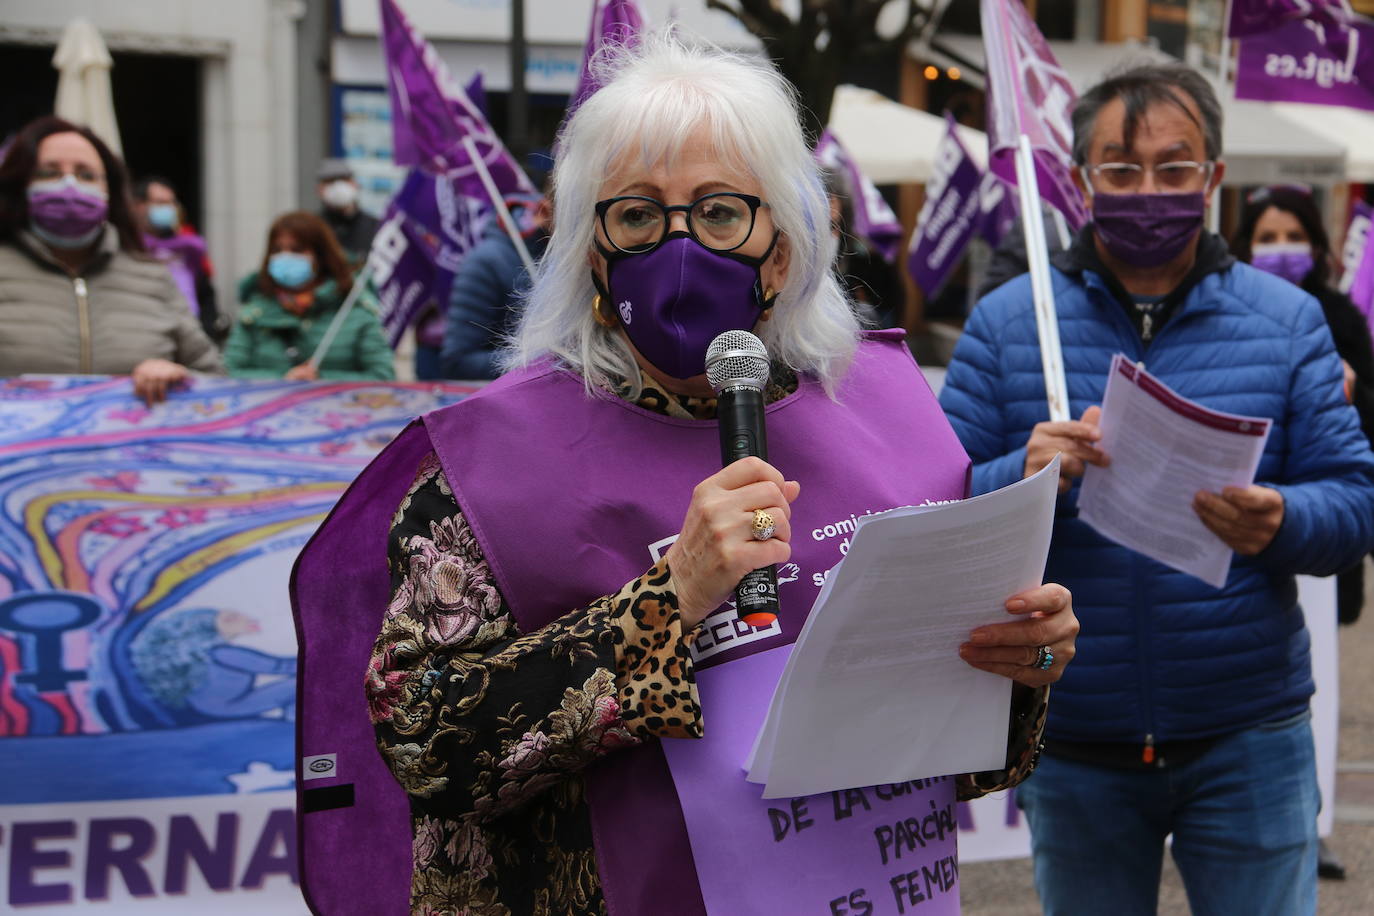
1186	709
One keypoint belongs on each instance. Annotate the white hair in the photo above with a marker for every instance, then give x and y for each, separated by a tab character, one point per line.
655	97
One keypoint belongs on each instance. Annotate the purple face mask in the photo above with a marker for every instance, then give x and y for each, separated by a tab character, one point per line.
1147	230
1292	261
67	213
674	300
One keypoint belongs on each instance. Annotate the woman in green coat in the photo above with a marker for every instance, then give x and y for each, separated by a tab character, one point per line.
303	280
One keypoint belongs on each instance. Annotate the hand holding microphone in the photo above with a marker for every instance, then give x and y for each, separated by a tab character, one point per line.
718	551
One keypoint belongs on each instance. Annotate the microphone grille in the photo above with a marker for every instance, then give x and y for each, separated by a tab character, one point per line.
736	358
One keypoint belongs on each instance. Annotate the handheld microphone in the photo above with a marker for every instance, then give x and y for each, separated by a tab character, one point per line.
737	370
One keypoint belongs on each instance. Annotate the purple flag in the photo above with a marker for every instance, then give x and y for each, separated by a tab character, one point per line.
874	221
1029	93
1251	17
1357	261
614	23
431	114
952	213
427	231
477	92
1306	60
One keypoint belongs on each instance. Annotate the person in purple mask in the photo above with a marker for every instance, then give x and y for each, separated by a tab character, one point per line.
78	292
1281	233
1185	712
566	547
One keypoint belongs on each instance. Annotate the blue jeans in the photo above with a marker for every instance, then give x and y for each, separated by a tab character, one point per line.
1243	817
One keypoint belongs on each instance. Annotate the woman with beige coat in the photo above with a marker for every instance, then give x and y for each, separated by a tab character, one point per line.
77	293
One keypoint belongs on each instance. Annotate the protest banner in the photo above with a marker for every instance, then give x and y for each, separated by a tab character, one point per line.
874	221
951	215
147	649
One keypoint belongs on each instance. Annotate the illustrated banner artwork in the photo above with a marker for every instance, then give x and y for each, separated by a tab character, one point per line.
147	650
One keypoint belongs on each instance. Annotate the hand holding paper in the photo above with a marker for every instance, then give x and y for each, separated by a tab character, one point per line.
1075	440
1011	648
1246	518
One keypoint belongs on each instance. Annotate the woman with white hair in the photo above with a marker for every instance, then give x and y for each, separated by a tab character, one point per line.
556	557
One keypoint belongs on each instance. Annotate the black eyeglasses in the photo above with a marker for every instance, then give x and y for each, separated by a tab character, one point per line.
721	222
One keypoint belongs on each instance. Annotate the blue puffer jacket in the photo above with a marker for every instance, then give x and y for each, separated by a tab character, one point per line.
1161	653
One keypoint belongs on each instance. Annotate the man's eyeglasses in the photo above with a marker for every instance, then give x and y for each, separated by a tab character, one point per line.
721	222
1169	176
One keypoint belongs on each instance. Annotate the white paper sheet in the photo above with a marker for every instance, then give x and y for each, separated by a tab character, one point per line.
1163	449
875	691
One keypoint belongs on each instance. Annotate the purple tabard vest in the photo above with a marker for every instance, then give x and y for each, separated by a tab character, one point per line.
572	496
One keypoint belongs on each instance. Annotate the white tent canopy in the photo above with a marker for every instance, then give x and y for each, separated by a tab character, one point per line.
83	83
893	143
1261	144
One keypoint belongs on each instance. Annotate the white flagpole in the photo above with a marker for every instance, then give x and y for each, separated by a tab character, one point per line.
499	204
327	340
1037	256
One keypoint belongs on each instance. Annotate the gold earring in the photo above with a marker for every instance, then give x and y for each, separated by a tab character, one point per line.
596	313
770	296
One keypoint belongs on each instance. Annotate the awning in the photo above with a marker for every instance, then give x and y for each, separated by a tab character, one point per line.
1347	127
1260	143
890	142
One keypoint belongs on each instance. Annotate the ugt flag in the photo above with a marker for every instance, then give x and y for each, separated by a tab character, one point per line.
427	231
1326	58
431	115
1029	93
1251	17
874	221
952	213
615	23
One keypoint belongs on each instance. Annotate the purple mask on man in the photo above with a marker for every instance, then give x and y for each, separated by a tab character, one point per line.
1290	260
67	213
673	301
1147	230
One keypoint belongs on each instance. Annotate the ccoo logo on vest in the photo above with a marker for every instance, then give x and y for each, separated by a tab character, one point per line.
722	628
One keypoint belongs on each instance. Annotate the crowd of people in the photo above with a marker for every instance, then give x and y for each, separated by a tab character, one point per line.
528	664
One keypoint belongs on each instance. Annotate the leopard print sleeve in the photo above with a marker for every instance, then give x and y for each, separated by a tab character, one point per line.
1025	741
479	717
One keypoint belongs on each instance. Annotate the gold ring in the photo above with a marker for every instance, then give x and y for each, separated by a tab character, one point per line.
764	527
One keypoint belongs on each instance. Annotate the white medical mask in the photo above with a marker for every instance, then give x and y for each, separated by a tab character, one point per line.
340	194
